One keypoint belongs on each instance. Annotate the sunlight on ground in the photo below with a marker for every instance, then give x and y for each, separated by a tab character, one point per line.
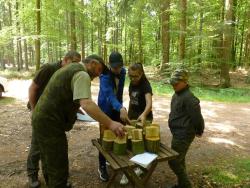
18	89
224	127
223	141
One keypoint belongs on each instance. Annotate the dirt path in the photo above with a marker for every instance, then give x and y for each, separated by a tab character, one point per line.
227	135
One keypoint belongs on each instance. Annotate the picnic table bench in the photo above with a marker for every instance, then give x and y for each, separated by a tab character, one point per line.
122	163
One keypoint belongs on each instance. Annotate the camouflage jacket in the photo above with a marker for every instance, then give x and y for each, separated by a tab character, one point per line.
56	110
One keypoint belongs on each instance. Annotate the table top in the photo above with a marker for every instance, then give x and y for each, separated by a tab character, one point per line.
123	161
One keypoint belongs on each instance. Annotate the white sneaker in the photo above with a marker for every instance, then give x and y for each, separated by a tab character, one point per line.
124	180
138	171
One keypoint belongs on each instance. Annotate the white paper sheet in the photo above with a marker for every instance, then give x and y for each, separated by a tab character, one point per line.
144	159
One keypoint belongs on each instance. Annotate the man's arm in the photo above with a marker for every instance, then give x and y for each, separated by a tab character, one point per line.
33	92
106	87
148	108
95	112
194	111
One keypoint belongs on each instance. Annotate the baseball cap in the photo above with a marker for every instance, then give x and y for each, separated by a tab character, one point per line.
115	60
178	75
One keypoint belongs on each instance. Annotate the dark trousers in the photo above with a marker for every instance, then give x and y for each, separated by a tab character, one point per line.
178	165
33	157
54	157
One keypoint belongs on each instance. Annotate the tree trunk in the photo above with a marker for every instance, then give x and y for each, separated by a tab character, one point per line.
38	33
183	20
165	19
140	40
11	46
247	49
73	26
199	60
20	53
26	59
105	50
227	45
82	33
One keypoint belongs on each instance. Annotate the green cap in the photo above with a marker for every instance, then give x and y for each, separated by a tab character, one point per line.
178	75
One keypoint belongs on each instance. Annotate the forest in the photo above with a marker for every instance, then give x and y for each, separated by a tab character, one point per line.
198	34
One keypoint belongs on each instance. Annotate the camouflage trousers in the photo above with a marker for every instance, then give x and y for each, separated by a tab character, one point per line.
33	157
178	165
54	157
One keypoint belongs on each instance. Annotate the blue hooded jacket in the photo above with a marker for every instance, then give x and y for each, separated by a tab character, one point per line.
109	101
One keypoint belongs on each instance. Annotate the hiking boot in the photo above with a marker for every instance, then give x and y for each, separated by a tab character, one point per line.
34	182
103	174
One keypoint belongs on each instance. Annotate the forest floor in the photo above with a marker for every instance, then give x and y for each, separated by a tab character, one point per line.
226	139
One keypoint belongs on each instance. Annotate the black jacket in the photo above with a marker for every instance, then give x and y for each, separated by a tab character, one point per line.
185	118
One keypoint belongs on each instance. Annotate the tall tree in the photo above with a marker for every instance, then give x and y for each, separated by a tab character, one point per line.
165	26
73	25
38	34
183	25
227	44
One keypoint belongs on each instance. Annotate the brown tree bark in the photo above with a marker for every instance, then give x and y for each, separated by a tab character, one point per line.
105	50
38	33
165	26
183	23
73	26
227	44
199	60
26	59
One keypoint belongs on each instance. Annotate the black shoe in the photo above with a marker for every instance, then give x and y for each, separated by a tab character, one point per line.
103	174
34	182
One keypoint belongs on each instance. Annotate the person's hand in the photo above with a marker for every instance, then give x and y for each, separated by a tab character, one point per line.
124	115
142	118
117	128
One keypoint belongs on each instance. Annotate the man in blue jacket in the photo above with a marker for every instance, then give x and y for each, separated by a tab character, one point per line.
110	99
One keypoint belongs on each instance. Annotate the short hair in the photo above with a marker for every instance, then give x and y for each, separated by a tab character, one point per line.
71	54
89	58
95	57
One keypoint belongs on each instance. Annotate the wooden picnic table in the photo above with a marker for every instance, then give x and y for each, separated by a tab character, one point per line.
122	163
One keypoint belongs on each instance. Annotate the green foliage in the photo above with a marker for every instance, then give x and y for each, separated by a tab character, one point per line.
7	100
233	95
235	172
14	74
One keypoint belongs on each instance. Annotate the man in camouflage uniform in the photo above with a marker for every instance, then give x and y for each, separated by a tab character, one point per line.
55	113
185	122
36	89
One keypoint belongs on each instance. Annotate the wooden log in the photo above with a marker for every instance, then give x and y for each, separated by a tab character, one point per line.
120	145
133	123
129	129
109	135
152	131
137	134
107	144
152	144
120	148
137	146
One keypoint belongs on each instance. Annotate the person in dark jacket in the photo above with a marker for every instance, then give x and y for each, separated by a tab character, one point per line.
185	122
110	99
55	114
36	89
